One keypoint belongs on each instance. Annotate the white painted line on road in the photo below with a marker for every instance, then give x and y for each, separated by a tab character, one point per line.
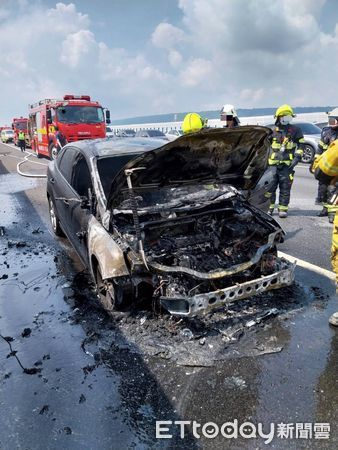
310	266
27	153
24	159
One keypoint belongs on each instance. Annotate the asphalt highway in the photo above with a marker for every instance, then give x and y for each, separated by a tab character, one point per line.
70	377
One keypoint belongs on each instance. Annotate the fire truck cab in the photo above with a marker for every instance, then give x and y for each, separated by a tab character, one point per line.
20	124
76	117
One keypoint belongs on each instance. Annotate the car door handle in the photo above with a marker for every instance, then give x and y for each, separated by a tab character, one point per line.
51	180
66	202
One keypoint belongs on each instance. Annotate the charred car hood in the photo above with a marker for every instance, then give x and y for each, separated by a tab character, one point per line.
235	156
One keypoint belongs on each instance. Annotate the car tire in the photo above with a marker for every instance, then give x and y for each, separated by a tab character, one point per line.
106	292
308	154
53	152
54	220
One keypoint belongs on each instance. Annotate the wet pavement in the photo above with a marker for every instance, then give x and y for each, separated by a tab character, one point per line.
92	381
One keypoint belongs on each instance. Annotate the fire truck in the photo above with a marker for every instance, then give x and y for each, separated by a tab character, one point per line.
77	117
18	125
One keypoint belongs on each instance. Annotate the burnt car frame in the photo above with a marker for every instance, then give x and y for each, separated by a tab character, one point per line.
180	223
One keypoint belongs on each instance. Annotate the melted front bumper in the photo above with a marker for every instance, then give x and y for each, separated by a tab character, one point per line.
190	306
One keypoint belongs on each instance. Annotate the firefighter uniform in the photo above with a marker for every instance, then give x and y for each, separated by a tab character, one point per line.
22	141
326	170
286	151
324	190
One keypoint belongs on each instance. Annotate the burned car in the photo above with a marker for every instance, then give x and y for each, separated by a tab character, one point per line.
180	223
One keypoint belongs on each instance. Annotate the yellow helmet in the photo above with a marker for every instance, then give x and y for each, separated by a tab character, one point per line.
193	122
284	110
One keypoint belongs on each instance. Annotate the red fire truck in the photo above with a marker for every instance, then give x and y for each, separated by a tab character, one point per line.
18	125
77	117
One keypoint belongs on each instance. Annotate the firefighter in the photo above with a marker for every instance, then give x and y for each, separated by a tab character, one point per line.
229	115
61	140
329	134
326	171
22	140
285	153
193	122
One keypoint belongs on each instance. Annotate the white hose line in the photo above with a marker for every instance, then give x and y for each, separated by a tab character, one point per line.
29	175
306	265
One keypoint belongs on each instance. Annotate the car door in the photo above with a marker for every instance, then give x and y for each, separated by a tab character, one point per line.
81	207
61	189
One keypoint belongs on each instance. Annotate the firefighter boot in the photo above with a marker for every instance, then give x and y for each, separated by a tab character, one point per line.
283	211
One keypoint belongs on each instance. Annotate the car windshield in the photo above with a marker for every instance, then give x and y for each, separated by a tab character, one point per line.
80	114
308	128
108	167
9	132
153	133
21	125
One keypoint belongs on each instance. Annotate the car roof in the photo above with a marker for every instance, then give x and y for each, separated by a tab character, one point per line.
100	148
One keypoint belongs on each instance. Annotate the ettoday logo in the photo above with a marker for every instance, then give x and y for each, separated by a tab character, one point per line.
166	429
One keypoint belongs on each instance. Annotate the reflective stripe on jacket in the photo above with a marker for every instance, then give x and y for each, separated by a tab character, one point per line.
328	162
287	144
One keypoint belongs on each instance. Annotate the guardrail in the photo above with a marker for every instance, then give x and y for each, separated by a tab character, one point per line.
214	123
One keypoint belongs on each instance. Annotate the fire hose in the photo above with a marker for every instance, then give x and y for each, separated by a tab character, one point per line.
29	175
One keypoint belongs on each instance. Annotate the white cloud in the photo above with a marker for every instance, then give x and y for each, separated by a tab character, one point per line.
175	58
167	36
76	46
196	72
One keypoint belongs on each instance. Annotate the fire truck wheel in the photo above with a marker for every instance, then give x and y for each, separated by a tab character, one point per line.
52	151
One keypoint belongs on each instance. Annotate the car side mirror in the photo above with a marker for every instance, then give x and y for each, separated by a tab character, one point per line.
107	116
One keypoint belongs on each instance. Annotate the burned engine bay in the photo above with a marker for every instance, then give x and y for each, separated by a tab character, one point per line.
203	245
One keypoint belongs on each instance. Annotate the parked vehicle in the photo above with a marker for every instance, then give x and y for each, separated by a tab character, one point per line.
129	133
21	124
311	136
321	125
7	135
125	133
77	117
151	134
173	223
109	132
173	134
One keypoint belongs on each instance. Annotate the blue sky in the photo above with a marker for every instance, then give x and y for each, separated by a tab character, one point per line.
141	57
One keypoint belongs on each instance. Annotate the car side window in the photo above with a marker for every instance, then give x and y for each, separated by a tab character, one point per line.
65	162
81	180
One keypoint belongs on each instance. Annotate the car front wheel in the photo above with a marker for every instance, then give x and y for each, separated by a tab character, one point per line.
54	220
308	154
106	292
